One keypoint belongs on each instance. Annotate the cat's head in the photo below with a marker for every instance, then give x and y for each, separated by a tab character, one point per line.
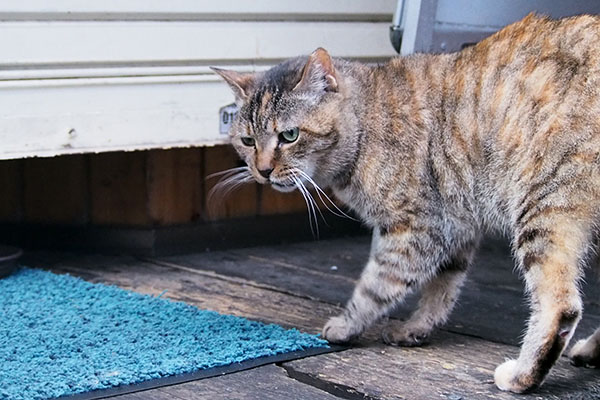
291	123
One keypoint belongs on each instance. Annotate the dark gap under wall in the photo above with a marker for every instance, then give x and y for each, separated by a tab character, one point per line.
146	202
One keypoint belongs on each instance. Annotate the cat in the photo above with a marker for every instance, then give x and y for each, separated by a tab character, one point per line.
433	150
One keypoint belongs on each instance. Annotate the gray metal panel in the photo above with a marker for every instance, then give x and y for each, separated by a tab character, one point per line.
449	25
418	19
500	13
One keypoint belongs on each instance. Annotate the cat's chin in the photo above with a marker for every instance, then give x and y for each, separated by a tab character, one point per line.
283	188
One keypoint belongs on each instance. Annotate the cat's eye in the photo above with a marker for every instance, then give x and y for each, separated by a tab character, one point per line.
248	141
289	136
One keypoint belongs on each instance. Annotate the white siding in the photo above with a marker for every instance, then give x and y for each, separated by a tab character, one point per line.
133	74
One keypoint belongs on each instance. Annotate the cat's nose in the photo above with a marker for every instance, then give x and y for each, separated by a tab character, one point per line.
265	173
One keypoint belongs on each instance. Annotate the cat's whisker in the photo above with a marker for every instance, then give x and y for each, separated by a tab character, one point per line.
234	184
230	171
308	208
232	179
314	201
222	192
312	206
321	192
316	205
302	189
227	180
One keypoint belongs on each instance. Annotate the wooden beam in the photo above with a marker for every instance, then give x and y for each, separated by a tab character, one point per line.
267	383
56	190
11	173
119	189
175	185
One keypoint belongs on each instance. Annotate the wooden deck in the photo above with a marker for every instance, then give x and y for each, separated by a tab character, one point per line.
302	285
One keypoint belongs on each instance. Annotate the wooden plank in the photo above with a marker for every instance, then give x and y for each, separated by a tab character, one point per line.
366	10
452	367
492	304
238	203
11	173
128	113
269	383
289	278
175	185
209	291
56	190
154	394
348	255
130	42
285	275
118	189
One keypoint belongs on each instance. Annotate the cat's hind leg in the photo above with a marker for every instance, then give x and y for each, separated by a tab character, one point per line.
586	352
437	301
550	255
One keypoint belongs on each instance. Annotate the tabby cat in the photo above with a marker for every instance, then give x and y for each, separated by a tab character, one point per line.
433	150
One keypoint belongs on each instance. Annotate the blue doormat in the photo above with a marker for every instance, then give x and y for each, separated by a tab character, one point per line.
63	336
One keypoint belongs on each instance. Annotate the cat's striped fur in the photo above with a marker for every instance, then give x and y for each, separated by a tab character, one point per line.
433	150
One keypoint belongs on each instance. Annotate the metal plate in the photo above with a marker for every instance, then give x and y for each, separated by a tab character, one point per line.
226	116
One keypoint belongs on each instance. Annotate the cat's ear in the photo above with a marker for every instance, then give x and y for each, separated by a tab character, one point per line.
319	73
240	83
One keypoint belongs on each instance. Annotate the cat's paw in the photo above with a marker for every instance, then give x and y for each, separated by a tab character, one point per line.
339	330
508	378
404	335
585	353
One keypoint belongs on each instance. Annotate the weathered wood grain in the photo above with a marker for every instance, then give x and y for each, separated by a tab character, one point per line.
118	189
225	295
453	367
152	394
266	383
55	190
175	184
492	304
11	173
291	277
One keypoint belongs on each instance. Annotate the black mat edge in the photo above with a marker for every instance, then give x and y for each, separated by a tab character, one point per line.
203	374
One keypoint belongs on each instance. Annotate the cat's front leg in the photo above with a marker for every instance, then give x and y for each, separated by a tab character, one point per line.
372	298
400	262
437	300
374	295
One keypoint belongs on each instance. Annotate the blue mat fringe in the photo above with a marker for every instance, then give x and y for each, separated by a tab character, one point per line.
60	335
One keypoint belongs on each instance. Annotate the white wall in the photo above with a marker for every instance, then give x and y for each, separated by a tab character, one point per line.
133	74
